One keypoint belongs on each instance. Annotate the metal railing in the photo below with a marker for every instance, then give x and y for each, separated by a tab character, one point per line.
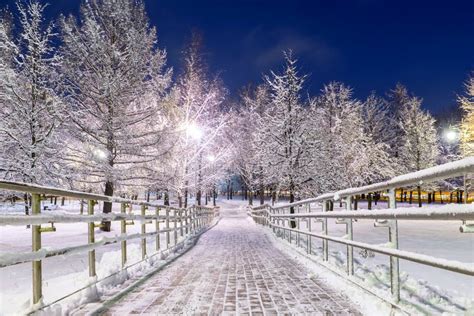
285	220
177	221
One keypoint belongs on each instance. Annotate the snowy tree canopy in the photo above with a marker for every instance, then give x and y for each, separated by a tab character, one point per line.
116	80
31	108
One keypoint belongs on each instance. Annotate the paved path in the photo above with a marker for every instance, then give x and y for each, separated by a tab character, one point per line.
234	269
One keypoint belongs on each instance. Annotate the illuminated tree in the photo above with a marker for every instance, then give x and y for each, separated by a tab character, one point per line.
116	78
466	103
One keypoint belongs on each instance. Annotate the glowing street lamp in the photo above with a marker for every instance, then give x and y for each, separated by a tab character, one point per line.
211	158
450	135
99	154
193	131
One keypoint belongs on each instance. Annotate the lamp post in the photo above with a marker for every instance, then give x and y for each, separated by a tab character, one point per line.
451	135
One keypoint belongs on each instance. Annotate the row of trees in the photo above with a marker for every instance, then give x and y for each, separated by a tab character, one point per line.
89	103
308	145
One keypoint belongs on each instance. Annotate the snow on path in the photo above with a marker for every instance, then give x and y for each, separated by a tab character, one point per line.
234	268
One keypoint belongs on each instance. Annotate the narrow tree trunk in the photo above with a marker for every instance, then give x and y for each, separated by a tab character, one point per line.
166	200
27	208
214	193
186	196
198	197
369	201
262	195
107	208
251	198
411	197
419	195
292	209
355	202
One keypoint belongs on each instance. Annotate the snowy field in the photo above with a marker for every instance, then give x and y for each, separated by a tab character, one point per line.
421	284
62	275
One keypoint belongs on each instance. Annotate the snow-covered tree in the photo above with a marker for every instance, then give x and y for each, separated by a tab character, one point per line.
397	98
198	99
245	142
285	131
30	108
116	79
466	103
418	147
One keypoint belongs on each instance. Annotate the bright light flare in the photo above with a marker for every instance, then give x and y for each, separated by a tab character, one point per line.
193	131
99	154
450	135
211	158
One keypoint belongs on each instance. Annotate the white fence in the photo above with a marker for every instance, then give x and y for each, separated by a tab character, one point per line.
285	220
184	222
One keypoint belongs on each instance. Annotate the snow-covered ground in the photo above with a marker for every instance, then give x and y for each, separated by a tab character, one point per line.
421	284
63	275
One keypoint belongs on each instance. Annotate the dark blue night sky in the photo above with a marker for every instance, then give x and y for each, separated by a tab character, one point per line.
368	44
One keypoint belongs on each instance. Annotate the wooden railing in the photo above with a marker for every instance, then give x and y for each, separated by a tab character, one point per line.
167	220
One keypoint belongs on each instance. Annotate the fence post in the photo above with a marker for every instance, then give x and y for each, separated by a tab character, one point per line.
123	230
90	211
394	262
157	224
298	228
186	230
181	222
175	226
36	243
309	229
349	232
167	226
143	212
325	232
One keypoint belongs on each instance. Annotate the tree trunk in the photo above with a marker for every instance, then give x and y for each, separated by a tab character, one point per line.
27	208
186	196
292	209
107	208
166	199
180	200
355	202
251	198
369	201
262	195
214	193
419	195
411	197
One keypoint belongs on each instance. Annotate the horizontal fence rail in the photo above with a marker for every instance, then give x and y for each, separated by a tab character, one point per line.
284	220
177	225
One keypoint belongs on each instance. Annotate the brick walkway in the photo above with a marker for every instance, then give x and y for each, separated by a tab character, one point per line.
234	268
